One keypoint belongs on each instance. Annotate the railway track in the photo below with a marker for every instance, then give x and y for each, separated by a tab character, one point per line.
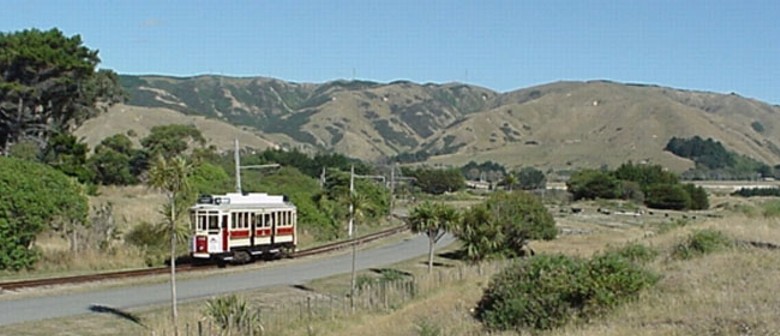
187	267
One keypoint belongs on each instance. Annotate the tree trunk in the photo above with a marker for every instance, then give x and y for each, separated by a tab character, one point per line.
174	314
431	245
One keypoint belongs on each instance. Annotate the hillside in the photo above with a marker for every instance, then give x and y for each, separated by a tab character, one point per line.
136	122
555	126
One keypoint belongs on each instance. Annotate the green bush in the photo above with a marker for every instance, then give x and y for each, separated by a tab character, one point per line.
634	252
34	197
702	242
547	291
149	238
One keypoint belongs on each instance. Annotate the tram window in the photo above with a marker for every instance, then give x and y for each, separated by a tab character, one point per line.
266	220
213	222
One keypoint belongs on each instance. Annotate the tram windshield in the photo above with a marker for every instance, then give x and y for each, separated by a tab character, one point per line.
205	220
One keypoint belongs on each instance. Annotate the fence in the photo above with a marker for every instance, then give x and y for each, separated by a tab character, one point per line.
312	314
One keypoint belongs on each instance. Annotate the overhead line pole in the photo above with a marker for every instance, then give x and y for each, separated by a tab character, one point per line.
237	158
353	229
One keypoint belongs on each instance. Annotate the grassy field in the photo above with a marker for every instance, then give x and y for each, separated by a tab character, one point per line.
725	293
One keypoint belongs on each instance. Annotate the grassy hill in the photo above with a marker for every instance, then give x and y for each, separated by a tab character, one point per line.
556	126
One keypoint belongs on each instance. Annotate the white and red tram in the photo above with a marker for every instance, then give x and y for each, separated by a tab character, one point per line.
240	227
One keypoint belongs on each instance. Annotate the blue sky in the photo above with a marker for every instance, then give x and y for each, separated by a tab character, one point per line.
721	46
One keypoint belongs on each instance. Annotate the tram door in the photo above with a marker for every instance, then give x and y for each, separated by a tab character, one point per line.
209	235
216	234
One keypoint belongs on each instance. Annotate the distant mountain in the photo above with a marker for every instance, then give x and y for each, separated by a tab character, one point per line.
561	125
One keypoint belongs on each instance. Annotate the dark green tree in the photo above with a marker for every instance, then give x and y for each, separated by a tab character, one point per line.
33	197
699	197
592	184
645	175
436	181
68	155
530	178
171	140
112	161
49	85
668	196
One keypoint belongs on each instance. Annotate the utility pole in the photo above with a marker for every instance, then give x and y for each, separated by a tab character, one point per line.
392	185
351	236
353	228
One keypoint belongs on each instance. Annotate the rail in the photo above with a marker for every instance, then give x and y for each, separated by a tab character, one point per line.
15	285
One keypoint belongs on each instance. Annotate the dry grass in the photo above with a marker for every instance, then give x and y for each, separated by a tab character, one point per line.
727	293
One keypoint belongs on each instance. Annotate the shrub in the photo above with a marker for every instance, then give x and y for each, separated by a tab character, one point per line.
757	126
232	312
34	197
668	196
702	242
637	253
547	291
149	238
750	192
699	198
612	279
771	209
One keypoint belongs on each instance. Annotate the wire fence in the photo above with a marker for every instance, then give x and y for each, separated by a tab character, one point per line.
312	314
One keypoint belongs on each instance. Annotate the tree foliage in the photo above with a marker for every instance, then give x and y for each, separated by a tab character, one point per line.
547	291
592	184
436	181
171	140
489	171
650	184
530	178
645	175
434	220
310	165
49	85
33	197
713	161
504	224
112	162
668	196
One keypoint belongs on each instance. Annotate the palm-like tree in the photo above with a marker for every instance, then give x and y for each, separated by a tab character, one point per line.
359	207
172	177
480	234
433	219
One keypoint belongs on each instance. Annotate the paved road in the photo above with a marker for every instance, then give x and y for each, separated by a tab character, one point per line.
34	309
